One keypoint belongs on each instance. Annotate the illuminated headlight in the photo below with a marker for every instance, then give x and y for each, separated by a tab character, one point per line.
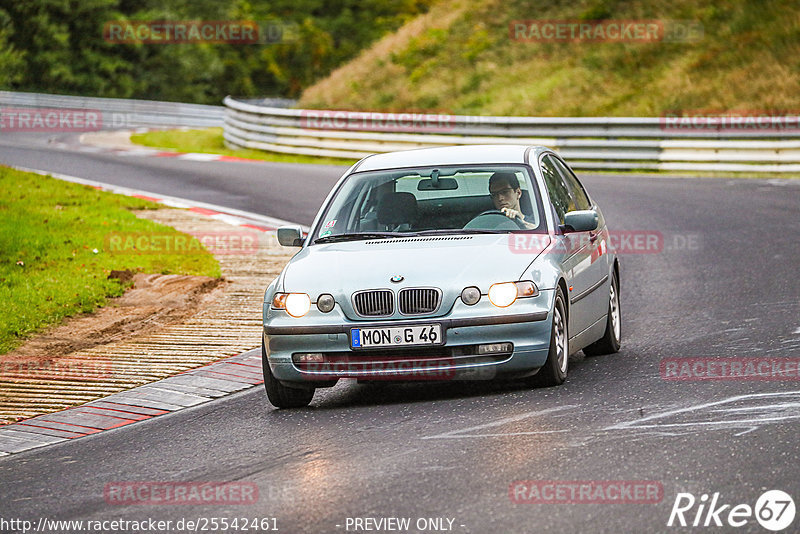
325	302
504	294
295	304
470	295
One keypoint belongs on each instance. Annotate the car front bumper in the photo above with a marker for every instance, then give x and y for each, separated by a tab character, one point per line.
524	327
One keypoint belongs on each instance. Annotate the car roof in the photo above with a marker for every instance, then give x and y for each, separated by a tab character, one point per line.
450	155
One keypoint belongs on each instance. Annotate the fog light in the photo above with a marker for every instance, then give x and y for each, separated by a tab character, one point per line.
325	302
470	295
494	348
309	357
503	295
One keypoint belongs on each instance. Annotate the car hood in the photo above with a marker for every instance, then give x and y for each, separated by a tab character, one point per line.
450	263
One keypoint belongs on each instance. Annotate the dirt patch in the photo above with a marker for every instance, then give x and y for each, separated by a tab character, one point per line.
120	139
156	300
165	325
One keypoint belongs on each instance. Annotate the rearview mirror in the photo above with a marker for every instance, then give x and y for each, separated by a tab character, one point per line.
290	236
580	221
441	184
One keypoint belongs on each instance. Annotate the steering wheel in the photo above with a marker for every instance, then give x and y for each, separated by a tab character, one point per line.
494	220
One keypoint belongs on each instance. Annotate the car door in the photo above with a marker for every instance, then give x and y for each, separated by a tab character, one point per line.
595	261
575	245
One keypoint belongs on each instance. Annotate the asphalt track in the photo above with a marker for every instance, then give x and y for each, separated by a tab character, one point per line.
724	284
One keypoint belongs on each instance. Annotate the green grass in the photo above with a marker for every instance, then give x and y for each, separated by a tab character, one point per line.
49	232
210	141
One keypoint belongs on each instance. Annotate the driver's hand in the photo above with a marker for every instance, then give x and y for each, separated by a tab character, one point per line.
511	214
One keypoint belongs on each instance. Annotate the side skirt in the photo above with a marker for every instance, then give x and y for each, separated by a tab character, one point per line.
588	336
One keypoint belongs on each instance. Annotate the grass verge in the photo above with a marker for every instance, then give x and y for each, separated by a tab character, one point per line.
210	141
55	257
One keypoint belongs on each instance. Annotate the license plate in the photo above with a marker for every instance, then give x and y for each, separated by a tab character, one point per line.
396	336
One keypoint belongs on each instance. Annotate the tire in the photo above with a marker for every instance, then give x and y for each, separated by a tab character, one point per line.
279	395
554	370
612	337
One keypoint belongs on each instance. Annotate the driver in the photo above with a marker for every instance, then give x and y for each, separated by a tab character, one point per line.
505	191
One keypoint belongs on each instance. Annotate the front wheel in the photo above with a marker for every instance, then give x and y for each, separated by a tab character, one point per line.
610	342
554	370
279	395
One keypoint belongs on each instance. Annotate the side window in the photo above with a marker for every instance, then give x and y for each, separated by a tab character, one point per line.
556	188
576	189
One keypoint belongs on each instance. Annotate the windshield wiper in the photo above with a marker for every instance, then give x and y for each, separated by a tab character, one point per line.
361	236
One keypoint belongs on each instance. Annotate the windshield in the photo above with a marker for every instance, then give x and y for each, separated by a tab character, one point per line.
440	200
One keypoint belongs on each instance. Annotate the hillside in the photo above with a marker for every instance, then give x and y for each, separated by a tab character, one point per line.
460	58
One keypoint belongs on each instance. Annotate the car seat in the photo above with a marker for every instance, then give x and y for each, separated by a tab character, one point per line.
398	211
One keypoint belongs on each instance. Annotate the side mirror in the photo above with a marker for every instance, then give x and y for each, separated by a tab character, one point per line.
580	221
290	236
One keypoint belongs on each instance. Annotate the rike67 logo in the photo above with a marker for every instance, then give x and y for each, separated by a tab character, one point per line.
774	510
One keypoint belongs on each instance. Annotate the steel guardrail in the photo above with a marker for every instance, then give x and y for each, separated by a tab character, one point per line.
118	113
607	143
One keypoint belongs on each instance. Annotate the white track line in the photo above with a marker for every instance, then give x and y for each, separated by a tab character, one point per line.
234	216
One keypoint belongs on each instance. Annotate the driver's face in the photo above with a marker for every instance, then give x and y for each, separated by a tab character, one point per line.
504	196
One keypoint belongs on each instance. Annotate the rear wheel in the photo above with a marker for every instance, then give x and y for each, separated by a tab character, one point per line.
279	395
610	342
554	370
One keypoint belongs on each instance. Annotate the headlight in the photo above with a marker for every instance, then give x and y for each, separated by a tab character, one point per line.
504	294
470	295
325	302
295	304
